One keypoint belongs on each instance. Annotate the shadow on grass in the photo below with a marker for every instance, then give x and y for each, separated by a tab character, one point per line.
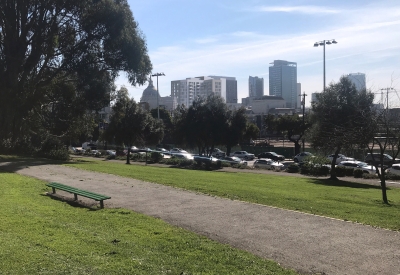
72	202
14	164
344	183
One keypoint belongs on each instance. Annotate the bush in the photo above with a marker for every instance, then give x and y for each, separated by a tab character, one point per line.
358	173
293	168
53	148
340	171
156	157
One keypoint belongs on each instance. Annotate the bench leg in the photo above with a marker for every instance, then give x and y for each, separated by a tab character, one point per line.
101	204
54	190
76	197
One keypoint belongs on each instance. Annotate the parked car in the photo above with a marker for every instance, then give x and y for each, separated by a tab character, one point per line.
204	159
395	169
268	164
178	151
358	165
300	157
111	152
243	155
233	160
376	158
89	145
271	155
339	158
218	153
182	155
133	149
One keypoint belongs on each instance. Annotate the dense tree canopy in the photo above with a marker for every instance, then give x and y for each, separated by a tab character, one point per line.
209	122
130	125
59	59
341	116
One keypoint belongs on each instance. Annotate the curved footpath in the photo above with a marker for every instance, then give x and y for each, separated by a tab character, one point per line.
307	243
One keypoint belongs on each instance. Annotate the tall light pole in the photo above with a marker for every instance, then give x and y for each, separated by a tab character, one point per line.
323	43
158	107
303	102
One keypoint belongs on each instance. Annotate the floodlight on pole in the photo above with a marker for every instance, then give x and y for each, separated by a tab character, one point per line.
158	107
323	43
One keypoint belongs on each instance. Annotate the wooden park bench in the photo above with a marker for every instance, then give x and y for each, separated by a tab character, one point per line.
80	192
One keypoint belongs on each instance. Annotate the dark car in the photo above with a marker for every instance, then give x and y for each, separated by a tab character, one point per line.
271	155
376	159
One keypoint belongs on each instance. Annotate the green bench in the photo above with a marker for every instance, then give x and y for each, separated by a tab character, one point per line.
80	192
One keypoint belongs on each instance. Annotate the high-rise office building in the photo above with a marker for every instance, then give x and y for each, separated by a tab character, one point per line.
256	86
187	90
358	79
283	82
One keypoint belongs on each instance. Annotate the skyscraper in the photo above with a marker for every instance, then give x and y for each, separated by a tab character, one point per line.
358	79
256	86
283	81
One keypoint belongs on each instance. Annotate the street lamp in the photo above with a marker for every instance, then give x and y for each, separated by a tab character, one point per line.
158	107
322	43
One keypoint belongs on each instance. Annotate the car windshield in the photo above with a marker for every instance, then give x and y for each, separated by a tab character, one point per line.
388	156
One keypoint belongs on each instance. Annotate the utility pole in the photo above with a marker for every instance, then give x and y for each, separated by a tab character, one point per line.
303	102
387	96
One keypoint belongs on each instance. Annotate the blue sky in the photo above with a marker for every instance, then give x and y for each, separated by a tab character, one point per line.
235	38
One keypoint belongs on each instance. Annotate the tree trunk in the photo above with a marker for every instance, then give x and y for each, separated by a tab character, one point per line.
383	187
333	164
128	156
297	147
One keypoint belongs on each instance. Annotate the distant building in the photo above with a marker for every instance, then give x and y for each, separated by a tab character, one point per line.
262	105
283	82
256	86
187	90
314	97
358	79
151	99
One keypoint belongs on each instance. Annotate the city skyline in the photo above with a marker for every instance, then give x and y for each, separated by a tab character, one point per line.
239	39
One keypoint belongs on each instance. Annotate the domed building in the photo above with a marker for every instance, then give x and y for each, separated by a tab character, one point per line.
150	95
149	98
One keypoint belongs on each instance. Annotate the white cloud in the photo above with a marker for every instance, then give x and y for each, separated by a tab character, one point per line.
299	9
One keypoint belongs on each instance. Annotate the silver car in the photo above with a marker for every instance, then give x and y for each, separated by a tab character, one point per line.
268	164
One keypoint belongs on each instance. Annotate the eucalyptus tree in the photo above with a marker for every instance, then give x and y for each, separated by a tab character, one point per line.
341	118
130	125
59	60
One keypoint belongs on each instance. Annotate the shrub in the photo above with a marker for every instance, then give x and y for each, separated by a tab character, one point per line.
156	157
293	168
358	173
340	171
53	148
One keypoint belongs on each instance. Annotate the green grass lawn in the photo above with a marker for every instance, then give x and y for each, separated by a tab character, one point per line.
339	199
41	235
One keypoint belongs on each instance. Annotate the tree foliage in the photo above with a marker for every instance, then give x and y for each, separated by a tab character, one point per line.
341	116
59	59
294	127
208	122
130	125
384	133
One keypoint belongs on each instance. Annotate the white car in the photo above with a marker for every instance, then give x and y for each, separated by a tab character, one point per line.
370	169
178	151
339	158
268	164
243	155
300	157
394	169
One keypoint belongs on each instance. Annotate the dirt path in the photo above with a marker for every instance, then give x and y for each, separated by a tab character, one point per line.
307	243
